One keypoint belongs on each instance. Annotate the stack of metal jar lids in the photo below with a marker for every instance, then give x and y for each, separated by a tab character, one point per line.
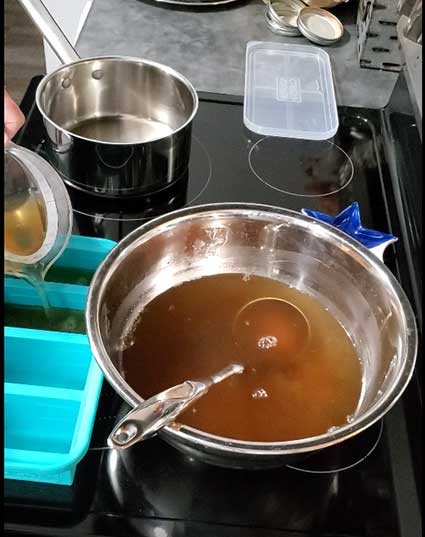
293	18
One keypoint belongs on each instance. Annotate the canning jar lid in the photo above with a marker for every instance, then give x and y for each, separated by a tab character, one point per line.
320	26
279	28
294	17
285	13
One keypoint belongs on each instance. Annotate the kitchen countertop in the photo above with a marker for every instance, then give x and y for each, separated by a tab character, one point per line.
208	46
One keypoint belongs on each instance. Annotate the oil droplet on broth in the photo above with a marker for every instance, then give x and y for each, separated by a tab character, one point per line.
304	390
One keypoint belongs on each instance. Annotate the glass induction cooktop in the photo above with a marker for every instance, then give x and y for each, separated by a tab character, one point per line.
359	488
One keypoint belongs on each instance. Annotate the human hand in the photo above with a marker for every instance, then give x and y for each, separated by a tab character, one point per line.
13	118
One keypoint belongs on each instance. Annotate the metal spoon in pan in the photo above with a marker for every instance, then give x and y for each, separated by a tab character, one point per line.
270	324
162	409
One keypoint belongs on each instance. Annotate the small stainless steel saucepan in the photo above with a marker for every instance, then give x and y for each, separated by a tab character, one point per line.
287	246
116	125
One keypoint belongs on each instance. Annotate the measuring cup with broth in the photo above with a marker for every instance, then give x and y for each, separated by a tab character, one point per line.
37	215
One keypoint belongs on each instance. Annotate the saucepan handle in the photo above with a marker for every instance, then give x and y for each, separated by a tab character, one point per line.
349	222
50	30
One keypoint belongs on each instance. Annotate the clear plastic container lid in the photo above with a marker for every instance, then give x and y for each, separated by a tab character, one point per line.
37	212
289	91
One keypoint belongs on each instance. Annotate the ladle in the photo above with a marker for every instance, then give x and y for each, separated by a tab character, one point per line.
161	409
271	328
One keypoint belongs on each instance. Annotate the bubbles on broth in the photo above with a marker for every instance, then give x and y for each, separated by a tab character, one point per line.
260	393
266	342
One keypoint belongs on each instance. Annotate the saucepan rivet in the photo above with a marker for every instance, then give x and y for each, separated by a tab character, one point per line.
66	83
97	75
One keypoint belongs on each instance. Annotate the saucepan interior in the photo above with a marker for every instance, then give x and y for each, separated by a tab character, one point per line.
117	100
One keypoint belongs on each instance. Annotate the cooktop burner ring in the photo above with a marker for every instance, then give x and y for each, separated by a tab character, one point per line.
209	174
347	466
102	217
338	153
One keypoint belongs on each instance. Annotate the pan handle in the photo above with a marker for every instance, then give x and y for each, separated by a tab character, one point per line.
50	30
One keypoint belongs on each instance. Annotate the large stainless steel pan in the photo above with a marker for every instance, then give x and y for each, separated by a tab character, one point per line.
281	244
116	126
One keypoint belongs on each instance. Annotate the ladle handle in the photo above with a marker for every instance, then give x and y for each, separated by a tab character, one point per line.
149	417
50	30
161	409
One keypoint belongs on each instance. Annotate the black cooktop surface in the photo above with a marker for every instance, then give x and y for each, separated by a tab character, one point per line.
359	488
230	163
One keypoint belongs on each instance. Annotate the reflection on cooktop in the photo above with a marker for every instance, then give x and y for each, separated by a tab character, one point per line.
161	482
341	458
229	165
113	218
301	167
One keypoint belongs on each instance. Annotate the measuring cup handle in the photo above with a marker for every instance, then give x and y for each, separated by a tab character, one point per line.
11	146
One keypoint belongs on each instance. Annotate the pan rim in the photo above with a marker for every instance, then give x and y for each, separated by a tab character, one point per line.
130	59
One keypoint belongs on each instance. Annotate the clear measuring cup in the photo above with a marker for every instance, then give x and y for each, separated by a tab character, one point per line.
37	214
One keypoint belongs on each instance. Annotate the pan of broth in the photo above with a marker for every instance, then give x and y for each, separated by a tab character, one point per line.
115	126
324	331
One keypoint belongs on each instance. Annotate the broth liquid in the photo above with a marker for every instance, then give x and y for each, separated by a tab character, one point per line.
25	227
288	391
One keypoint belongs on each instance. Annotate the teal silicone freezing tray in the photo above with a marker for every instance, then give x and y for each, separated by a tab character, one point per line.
52	382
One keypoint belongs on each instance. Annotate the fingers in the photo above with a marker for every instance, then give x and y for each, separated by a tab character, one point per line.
13	118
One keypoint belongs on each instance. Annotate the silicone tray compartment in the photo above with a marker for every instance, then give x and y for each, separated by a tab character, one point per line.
52	387
52	382
85	253
60	295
